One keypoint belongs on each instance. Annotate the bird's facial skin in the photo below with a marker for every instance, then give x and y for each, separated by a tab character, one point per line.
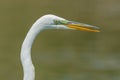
61	22
77	25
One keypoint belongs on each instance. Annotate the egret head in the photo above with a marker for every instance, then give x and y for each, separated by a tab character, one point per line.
55	22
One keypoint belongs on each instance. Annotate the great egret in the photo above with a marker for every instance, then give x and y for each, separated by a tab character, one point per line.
46	22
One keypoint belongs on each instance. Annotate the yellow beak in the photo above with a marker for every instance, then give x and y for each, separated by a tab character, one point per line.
82	26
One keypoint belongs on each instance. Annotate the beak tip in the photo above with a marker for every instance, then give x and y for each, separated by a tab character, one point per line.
98	31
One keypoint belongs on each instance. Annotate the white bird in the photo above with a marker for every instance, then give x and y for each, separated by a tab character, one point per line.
46	22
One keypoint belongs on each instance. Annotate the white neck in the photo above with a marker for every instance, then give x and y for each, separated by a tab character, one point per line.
45	22
28	67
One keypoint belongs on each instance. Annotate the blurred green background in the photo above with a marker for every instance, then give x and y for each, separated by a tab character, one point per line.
62	54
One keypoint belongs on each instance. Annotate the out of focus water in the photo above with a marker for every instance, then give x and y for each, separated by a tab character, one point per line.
61	54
